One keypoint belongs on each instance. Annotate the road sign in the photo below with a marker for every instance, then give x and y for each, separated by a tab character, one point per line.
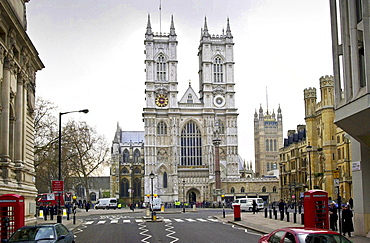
336	182
57	186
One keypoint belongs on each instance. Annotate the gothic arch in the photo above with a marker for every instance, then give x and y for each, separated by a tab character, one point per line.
192	195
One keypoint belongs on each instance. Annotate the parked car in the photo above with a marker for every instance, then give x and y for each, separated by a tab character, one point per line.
246	204
303	235
46	233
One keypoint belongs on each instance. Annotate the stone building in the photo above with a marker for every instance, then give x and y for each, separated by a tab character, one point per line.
19	64
268	138
127	166
350	30
311	156
180	133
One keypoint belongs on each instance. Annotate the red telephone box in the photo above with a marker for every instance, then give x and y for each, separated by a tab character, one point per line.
316	209
11	214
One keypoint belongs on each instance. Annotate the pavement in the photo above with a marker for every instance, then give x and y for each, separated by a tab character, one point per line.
255	222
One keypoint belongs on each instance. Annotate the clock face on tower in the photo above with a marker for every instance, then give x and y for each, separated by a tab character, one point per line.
161	100
219	101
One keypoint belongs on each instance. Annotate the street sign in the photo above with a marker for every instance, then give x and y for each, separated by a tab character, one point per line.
336	182
57	186
336	174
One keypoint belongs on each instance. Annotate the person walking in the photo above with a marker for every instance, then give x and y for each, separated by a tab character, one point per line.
254	206
347	224
333	217
281	209
350	202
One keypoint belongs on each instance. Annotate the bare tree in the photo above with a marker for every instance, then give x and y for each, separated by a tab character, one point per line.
85	152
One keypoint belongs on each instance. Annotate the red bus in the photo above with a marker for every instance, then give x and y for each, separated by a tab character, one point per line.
49	199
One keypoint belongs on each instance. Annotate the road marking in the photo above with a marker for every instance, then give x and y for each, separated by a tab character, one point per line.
126	221
167	220
213	220
115	221
139	220
202	220
191	220
89	222
101	222
179	220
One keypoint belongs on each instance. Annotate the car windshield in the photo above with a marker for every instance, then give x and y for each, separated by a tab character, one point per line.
322	238
30	234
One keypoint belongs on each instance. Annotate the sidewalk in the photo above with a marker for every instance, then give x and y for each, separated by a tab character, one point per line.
257	222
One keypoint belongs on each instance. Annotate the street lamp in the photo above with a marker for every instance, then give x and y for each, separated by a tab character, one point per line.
309	147
183	196
151	175
59	217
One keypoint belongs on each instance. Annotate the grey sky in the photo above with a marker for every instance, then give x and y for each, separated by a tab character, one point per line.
93	51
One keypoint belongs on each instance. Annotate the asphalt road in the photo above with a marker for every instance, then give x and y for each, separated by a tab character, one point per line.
198	226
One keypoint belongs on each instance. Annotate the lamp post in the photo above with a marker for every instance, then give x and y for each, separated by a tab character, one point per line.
151	175
183	196
309	147
59	216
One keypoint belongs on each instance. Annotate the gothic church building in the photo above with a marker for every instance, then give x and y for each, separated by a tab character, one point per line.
179	134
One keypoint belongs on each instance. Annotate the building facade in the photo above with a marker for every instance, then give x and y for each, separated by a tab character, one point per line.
179	134
19	64
127	166
268	138
350	28
312	155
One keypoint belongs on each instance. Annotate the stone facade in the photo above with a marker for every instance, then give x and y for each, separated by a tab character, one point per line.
179	134
350	24
268	138
311	155
18	67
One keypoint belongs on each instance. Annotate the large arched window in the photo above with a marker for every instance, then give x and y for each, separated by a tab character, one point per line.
125	185
191	145
126	155
161	128
218	70
161	68
137	156
137	187
165	180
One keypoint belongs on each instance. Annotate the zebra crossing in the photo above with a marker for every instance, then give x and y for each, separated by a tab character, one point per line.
139	220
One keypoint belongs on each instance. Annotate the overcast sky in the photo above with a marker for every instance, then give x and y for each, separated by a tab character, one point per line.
93	52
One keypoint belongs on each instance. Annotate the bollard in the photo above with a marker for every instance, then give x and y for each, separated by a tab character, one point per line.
282	215
68	214
287	217
223	212
275	214
295	217
51	215
302	218
270	213
74	219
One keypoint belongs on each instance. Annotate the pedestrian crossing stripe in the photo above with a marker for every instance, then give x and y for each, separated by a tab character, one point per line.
116	221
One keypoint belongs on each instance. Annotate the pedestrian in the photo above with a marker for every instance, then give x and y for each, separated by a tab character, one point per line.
87	206
254	206
350	202
281	209
333	217
46	212
347	224
132	207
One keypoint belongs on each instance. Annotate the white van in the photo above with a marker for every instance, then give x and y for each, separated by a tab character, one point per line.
246	204
106	203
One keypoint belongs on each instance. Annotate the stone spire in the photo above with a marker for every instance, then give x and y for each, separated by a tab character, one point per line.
228	30
205	29
172	28
149	27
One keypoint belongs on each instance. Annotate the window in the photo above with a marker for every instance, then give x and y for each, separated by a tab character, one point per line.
218	70
137	187
136	156
190	99
93	196
242	190
232	190
161	128
165	180
264	189
274	189
125	170
191	145
126	155
161	68
267	145
274	144
124	188
221	127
